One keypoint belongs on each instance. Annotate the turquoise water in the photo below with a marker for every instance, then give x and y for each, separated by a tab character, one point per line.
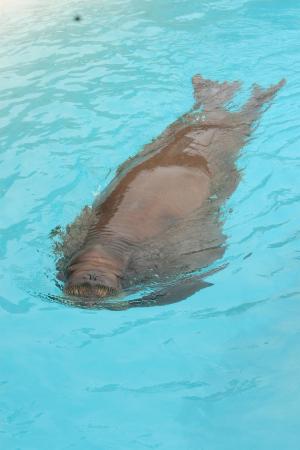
218	371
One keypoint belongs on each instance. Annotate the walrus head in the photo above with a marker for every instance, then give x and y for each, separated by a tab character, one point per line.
92	274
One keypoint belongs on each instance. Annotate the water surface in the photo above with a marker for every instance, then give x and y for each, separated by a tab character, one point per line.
218	371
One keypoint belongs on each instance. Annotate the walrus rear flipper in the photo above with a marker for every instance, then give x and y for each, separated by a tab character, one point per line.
210	94
260	99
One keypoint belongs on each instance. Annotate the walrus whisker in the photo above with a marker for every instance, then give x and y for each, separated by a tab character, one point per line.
85	290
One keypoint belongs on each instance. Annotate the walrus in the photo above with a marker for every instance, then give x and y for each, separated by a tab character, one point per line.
159	220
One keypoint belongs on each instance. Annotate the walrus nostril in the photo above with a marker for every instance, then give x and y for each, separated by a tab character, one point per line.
93	277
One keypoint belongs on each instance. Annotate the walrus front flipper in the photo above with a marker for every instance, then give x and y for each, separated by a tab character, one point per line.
211	94
172	293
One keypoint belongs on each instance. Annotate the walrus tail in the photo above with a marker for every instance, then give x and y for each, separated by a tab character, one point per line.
210	94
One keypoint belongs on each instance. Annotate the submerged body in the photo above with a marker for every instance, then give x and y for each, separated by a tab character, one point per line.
159	217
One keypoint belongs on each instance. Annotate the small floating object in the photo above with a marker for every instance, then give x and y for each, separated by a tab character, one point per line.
77	18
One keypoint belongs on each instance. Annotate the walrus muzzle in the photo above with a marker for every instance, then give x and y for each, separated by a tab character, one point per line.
92	274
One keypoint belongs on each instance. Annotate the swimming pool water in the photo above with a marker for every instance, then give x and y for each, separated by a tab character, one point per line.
218	371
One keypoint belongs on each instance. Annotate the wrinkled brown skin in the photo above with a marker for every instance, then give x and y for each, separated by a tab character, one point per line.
160	216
